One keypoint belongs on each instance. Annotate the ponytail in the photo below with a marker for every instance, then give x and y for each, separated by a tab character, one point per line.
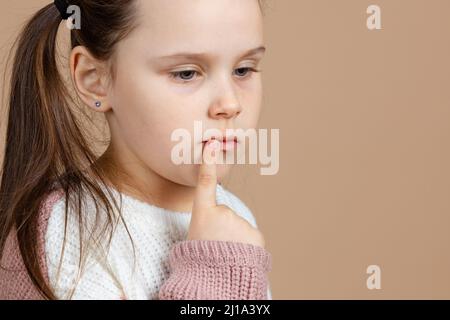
45	145
40	140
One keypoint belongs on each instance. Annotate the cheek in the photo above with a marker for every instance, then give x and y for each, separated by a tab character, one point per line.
249	117
145	118
147	111
251	100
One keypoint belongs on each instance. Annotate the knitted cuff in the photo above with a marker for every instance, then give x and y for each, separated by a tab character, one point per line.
217	270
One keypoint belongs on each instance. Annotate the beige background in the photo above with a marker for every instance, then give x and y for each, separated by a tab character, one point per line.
364	147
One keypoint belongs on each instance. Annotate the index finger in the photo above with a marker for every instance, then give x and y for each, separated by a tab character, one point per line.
205	193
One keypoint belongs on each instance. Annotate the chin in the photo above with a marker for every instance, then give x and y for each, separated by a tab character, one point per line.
190	177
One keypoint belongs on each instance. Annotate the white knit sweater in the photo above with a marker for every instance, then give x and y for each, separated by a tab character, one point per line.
154	231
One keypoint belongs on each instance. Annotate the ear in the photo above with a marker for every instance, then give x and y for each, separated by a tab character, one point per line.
89	77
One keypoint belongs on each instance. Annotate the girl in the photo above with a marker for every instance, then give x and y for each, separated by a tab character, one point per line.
131	224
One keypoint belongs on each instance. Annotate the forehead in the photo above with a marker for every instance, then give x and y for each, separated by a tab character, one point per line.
215	26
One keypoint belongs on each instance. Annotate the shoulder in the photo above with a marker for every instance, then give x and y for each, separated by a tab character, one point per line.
15	282
60	227
225	196
47	207
73	271
56	223
63	227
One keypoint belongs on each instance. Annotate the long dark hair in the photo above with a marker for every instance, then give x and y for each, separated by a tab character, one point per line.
45	144
46	148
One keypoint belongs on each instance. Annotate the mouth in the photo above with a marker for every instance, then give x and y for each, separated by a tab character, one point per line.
226	143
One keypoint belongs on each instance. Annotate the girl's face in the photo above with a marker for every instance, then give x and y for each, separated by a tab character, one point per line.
187	61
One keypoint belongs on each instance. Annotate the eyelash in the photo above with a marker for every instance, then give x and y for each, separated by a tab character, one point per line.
178	73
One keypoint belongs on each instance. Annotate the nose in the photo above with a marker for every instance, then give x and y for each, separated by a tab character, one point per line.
226	105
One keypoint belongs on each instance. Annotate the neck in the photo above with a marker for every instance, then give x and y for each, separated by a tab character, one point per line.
144	184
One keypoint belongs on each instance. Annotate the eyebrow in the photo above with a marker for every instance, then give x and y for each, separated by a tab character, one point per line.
193	55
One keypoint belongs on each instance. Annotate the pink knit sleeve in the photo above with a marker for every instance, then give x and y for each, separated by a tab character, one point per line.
216	270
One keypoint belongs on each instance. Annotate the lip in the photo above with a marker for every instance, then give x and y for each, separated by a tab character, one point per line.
226	143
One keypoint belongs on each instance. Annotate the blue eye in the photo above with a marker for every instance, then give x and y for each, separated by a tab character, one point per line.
244	71
184	75
188	75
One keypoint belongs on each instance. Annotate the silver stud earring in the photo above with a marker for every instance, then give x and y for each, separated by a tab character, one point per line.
98	104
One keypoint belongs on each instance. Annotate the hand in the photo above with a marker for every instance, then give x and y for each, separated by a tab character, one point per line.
210	221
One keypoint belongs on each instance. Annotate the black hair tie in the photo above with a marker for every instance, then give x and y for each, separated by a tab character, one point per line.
62	6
